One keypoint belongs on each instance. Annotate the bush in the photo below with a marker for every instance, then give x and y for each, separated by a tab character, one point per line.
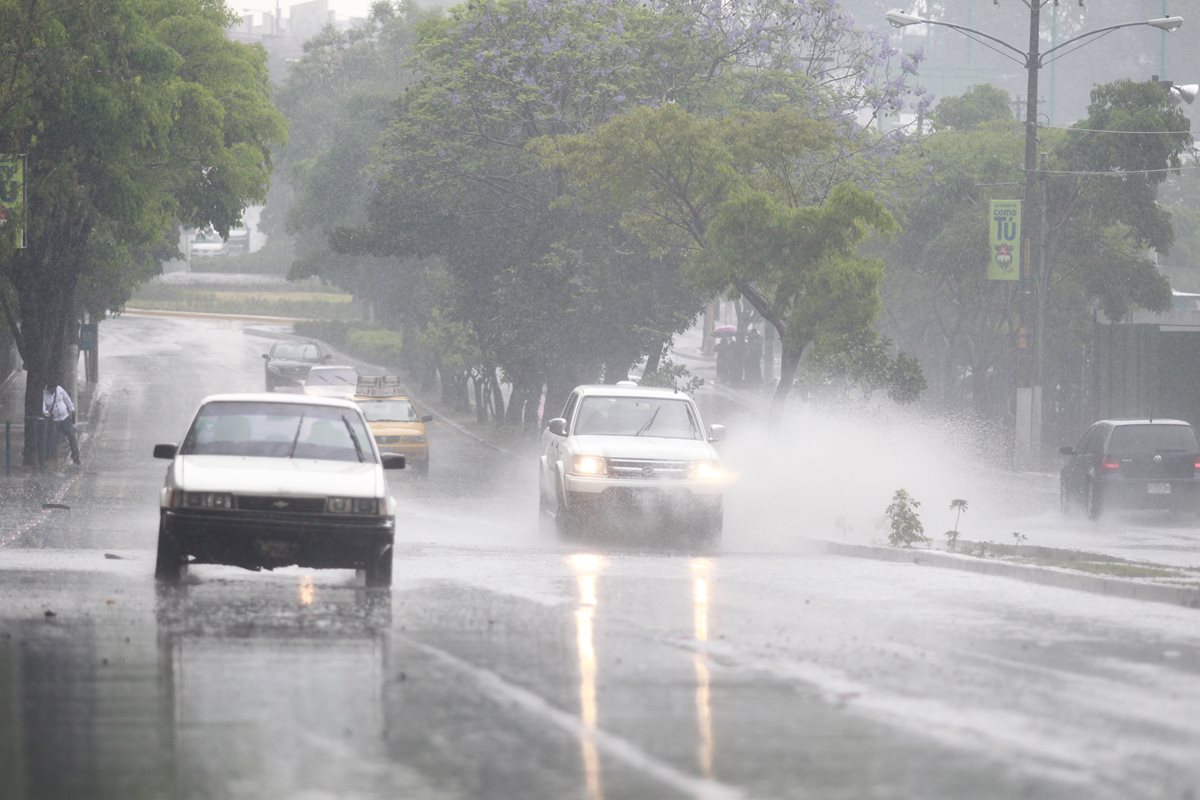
378	346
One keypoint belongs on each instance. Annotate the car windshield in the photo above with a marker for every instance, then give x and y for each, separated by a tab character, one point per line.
637	416
278	430
389	411
1153	439
296	351
332	377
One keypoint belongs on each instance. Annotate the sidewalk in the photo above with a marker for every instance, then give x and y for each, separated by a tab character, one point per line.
28	494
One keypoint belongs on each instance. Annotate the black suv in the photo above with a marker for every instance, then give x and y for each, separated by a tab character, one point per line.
1132	463
288	363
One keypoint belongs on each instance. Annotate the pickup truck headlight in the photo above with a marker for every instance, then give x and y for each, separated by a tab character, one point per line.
216	501
589	465
706	471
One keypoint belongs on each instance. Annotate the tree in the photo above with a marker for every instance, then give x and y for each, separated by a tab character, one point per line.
135	115
731	195
980	104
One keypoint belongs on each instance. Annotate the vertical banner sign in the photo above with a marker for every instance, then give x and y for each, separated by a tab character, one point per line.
12	191
1004	240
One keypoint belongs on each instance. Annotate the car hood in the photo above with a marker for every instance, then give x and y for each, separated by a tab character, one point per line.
299	477
647	447
332	390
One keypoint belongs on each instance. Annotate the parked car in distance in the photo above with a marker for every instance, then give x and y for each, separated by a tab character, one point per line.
1132	463
638	453
394	421
263	481
328	380
206	242
288	363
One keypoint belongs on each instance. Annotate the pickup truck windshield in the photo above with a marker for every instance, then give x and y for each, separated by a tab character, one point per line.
637	416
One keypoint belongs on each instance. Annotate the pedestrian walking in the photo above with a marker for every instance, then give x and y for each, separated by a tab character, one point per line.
59	411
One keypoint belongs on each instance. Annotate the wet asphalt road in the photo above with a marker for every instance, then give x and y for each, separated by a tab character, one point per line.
506	664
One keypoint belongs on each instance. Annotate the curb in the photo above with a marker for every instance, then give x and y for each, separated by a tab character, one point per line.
1046	576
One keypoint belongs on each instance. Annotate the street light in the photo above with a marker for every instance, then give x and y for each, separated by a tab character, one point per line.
1028	424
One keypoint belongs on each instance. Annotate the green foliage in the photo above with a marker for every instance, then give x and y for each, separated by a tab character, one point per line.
378	346
862	363
673	375
906	526
979	104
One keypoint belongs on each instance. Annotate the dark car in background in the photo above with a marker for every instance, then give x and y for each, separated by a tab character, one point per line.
288	363
1132	463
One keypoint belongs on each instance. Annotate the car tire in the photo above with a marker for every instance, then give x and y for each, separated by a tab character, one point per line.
1095	501
170	565
379	570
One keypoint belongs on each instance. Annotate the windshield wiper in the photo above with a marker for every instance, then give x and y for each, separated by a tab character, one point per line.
649	422
353	438
296	438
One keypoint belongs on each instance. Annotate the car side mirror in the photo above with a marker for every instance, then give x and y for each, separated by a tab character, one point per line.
266	355
716	433
558	426
1066	451
327	357
393	461
166	451
427	418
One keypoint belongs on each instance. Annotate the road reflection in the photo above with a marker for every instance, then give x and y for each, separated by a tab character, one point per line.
274	688
701	569
587	568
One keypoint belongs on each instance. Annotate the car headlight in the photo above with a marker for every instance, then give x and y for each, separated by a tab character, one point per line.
352	505
214	501
589	465
706	471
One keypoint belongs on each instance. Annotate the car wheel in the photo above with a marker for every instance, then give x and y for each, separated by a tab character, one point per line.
1095	501
379	571
170	565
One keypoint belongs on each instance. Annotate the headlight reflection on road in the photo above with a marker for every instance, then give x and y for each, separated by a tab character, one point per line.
706	747
586	568
307	592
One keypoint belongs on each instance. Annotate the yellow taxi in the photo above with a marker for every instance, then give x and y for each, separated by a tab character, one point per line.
394	421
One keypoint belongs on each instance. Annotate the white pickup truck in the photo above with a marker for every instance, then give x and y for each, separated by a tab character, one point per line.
626	453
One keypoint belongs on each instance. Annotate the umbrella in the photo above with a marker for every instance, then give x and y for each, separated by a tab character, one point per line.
725	330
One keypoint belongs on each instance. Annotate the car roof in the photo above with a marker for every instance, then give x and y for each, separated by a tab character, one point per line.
614	390
1144	421
381	397
331	367
281	399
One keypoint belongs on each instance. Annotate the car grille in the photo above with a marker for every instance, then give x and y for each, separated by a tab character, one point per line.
294	505
647	469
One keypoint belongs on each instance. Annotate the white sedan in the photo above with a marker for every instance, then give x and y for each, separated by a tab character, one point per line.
267	480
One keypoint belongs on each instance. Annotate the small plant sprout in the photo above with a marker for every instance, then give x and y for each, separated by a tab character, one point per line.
958	506
906	525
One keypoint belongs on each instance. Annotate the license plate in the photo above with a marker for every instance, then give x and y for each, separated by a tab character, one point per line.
273	549
1158	488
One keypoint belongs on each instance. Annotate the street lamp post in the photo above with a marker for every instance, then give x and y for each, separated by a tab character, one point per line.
1028	423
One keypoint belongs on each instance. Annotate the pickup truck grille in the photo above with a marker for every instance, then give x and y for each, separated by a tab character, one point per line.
647	469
